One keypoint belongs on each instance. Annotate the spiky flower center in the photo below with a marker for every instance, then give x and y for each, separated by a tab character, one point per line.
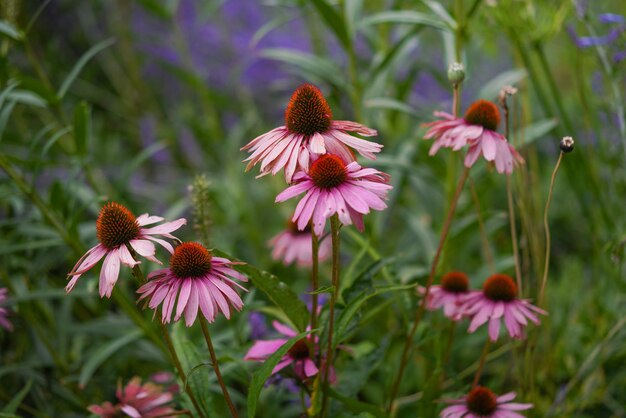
455	282
300	350
500	287
190	259
483	113
307	111
328	171
482	402
116	225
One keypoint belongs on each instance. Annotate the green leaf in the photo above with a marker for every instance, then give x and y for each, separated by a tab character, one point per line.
323	289
441	11
312	65
277	291
82	127
388	103
11	31
405	16
491	90
534	131
101	354
265	371
334	21
11	407
5	93
80	64
356	406
352	12
28	98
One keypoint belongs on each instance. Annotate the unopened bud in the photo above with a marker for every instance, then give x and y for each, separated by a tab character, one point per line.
505	92
567	144
456	73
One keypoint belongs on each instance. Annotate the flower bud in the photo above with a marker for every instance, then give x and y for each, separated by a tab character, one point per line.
567	144
456	73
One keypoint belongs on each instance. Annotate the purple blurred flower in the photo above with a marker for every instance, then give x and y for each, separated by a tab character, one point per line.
258	328
610	38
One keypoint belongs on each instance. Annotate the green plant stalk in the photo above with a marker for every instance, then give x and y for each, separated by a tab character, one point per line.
513	228
314	277
433	269
334	233
481	363
216	367
487	253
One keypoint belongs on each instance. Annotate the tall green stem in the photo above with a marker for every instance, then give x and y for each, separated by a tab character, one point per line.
433	269
216	367
314	277
481	362
334	233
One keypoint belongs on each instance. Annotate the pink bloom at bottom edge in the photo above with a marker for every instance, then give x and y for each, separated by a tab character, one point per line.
299	354
480	402
137	401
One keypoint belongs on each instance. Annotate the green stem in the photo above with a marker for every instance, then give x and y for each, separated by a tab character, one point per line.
314	277
334	233
433	269
513	227
482	362
216	367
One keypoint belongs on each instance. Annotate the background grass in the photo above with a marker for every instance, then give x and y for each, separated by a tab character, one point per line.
129	101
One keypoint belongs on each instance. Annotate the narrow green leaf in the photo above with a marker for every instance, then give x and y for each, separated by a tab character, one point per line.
491	90
14	403
28	98
266	29
388	103
405	16
277	291
80	64
356	406
441	11
82	127
101	354
352	12
324	289
5	93
334	21
11	31
534	131
265	371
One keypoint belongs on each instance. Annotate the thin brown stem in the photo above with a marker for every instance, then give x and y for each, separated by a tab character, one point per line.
433	269
216	367
546	227
481	363
334	233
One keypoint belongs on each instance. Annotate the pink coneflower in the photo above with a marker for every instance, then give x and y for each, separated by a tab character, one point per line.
450	294
301	354
483	403
498	300
309	131
294	245
118	230
332	187
478	130
199	279
137	401
4	313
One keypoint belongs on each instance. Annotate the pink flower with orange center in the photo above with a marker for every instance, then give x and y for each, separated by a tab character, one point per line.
498	301
309	131
199	280
137	401
478	130
119	232
292	245
332	187
450	294
480	402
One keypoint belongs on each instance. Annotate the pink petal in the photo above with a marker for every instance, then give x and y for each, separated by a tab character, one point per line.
316	144
109	273
293	191
283	329
310	369
164	229
191	311
183	297
263	349
125	256
146	219
145	249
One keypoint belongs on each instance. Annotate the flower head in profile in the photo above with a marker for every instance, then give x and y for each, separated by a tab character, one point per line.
478	130
293	245
137	401
4	312
309	131
198	280
480	402
450	294
119	231
301	354
497	301
332	187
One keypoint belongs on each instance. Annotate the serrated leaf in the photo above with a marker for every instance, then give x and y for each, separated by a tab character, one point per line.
491	90
101	354
277	291
405	16
80	64
265	371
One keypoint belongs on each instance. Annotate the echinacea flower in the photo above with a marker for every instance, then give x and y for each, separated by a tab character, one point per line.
301	354
4	313
119	231
332	187
293	245
478	130
199	279
498	301
450	294
137	401
309	131
480	402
